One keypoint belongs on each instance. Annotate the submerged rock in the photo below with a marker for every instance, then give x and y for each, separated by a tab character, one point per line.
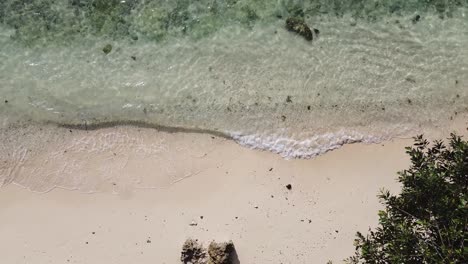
298	26
193	252
107	49
221	253
416	19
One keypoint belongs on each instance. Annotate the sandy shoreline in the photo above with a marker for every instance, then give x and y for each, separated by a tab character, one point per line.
142	210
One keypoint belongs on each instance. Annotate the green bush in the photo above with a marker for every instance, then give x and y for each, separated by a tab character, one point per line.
428	221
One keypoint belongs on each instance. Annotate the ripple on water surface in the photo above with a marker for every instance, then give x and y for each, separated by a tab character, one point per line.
370	73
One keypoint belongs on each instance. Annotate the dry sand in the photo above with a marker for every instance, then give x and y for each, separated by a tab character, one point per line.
146	201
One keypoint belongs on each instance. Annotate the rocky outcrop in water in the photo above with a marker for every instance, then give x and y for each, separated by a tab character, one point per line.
70	20
298	26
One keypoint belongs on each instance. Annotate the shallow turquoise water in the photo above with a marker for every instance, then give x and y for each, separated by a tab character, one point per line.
376	70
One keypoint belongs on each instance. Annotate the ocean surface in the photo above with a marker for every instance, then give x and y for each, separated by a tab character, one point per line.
375	70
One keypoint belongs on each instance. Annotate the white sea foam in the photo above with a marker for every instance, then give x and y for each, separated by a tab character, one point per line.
316	145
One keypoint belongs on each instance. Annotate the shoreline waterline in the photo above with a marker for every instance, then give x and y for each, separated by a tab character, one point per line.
42	158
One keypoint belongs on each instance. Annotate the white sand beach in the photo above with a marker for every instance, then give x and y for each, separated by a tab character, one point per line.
198	186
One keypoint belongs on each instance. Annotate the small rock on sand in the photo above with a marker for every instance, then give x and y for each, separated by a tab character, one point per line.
193	252
217	253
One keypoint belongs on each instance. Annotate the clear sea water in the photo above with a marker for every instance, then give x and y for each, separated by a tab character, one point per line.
377	70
